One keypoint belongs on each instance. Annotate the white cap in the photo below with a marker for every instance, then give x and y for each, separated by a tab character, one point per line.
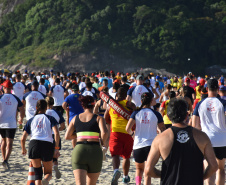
14	75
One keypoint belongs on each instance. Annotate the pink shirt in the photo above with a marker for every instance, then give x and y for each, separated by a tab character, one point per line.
193	84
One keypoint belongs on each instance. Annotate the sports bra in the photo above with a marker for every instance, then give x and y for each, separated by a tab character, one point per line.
87	130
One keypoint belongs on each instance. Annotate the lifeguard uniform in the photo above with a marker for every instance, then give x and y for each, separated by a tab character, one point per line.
120	143
166	119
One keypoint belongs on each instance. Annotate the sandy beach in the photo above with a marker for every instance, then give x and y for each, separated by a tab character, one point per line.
19	165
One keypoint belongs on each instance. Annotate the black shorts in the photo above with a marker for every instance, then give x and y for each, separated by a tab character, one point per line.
220	152
8	133
43	150
140	155
59	109
54	143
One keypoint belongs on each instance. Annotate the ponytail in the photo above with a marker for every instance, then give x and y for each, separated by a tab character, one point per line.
146	99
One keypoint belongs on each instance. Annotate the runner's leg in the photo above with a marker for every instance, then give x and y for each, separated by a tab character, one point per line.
92	178
220	174
80	176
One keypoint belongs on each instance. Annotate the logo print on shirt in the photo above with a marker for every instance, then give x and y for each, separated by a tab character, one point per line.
210	106
8	102
182	136
35	97
58	89
19	87
140	89
40	124
145	120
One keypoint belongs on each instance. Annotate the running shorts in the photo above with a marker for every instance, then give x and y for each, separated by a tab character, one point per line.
121	144
141	154
87	157
8	133
220	152
43	150
59	109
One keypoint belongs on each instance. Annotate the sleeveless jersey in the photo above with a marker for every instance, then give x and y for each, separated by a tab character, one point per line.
184	165
118	123
87	130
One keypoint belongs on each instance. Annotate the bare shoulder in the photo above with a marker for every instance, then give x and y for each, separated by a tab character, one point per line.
200	137
165	137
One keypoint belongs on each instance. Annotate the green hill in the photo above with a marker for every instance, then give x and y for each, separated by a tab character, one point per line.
167	32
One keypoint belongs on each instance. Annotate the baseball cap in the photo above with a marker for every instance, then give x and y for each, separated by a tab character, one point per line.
43	76
7	84
202	82
139	77
51	70
75	87
222	88
14	75
132	78
25	70
187	80
69	74
212	84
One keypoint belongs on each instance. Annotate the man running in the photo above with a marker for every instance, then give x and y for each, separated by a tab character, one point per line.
30	100
59	93
120	143
209	116
182	149
8	123
19	88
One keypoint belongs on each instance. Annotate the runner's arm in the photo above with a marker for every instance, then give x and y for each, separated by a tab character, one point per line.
196	122
130	125
161	126
155	92
103	130
95	110
22	141
22	114
153	157
107	116
66	94
69	135
65	107
62	126
129	98
211	160
131	105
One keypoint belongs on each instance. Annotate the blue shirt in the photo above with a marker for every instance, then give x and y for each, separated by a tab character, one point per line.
75	107
109	82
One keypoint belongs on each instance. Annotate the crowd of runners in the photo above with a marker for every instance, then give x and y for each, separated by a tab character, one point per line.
178	119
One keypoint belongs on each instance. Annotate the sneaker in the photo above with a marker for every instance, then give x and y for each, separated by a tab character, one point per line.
57	172
45	182
5	165
115	178
126	180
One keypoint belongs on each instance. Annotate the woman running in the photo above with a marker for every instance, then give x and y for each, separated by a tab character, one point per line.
165	95
58	116
147	121
41	148
87	155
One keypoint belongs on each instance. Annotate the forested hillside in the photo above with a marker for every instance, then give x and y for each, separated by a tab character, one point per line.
175	34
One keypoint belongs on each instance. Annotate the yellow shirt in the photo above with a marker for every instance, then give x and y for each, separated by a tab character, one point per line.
118	123
198	94
165	117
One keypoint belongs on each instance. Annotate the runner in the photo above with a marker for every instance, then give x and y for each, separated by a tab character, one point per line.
182	149
121	143
72	106
41	148
19	88
42	88
146	121
222	92
30	100
165	95
209	116
87	154
134	94
59	93
8	123
60	120
163	109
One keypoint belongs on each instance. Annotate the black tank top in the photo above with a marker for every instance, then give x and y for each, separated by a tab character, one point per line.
90	126
184	165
